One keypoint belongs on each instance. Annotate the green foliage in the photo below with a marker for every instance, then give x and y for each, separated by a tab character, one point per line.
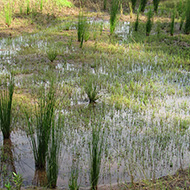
91	90
182	21
172	23
41	5
17	179
137	21
187	22
149	22
8	186
64	3
156	3
73	180
8	15
41	125
113	15
6	96
82	29
51	54
54	152
96	150
27	7
105	4
131	10
143	5
134	2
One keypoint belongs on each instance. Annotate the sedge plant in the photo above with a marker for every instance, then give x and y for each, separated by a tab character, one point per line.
6	97
143	5
51	54
54	151
39	127
149	22
96	151
8	14
187	22
172	23
113	15
137	20
156	3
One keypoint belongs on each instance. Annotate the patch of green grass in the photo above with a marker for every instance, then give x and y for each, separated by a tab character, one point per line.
64	3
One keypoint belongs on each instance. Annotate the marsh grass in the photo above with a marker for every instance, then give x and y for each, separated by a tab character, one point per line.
182	21
54	151
91	90
172	23
137	20
96	151
8	14
187	22
52	54
143	5
149	22
41	125
27	7
113	15
6	97
156	3
105	4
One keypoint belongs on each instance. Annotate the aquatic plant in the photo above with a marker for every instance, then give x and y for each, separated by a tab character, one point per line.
6	97
143	5
8	14
91	90
73	180
54	151
113	15
134	2
149	22
156	3
172	23
95	150
82	29
187	22
137	20
51	54
18	180
41	125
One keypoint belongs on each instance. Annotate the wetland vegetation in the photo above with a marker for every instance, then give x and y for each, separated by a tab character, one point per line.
95	94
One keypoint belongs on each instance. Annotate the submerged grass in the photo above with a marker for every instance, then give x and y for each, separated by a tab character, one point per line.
6	97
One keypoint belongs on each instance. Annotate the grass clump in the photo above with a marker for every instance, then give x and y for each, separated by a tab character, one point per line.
172	23
113	15
156	3
96	150
64	3
54	152
187	22
149	22
41	126
91	90
137	20
51	54
143	5
8	15
6	97
134	2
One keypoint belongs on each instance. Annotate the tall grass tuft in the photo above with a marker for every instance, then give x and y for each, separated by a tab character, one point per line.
91	90
8	14
134	2
96	150
6	97
105	4
149	22
143	5
51	54
27	7
82	29
40	126
54	152
137	20
156	3
172	23
41	5
113	15
187	22
182	21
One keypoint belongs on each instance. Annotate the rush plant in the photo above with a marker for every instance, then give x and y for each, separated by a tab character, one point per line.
143	5
156	3
8	14
149	22
6	97
113	15
187	22
40	125
172	23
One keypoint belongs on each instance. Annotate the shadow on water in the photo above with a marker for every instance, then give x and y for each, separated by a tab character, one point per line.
7	166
